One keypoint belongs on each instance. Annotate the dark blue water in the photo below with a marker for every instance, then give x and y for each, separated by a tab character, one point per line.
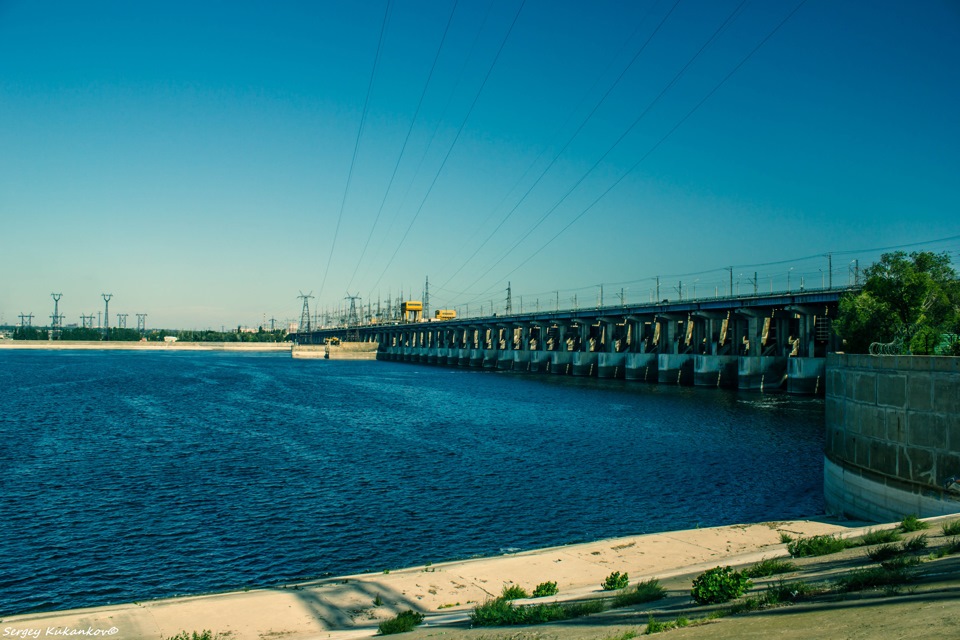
128	476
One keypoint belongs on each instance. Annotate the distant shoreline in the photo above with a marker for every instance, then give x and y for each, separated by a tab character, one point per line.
65	345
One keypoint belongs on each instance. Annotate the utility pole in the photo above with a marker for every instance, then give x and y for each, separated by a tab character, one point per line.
830	270
600	297
426	298
106	315
658	290
509	301
730	269
679	289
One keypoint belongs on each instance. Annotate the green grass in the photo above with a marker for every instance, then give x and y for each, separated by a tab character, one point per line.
951	528
514	592
545	589
615	581
769	567
881	536
401	623
629	634
646	591
912	523
785	537
816	546
871	578
503	613
654	626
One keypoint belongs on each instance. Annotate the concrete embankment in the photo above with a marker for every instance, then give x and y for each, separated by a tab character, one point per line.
64	345
341	351
352	606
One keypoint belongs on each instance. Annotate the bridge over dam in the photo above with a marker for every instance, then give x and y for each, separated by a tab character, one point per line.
759	342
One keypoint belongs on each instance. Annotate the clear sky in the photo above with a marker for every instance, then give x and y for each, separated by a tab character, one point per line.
205	162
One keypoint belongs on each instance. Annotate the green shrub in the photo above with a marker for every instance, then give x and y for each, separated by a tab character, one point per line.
545	589
816	546
401	623
883	536
502	613
951	528
646	591
785	537
514	592
769	567
719	584
912	523
615	581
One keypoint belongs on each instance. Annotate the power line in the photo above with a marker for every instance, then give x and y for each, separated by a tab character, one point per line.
454	143
583	123
403	147
356	147
623	135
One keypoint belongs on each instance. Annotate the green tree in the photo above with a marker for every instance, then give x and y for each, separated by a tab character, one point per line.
914	297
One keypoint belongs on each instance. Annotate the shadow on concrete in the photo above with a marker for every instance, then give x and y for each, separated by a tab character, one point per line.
324	601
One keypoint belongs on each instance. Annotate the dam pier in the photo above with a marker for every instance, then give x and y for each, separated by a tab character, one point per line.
760	342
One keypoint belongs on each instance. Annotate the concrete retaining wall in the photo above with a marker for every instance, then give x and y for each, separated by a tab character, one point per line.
892	436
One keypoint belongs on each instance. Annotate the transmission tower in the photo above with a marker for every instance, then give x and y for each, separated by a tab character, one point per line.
305	314
122	320
352	318
26	320
141	322
273	322
106	315
56	317
509	309
86	321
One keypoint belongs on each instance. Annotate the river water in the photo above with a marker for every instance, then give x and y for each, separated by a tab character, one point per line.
128	475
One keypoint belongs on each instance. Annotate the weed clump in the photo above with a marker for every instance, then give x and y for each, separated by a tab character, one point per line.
502	613
769	567
401	623
871	578
816	546
646	591
206	634
951	528
545	589
883	536
615	581
912	523
719	584
784	592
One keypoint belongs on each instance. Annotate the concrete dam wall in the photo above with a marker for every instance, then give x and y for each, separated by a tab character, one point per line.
892	436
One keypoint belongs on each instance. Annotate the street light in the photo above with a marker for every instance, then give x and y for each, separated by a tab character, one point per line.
788	279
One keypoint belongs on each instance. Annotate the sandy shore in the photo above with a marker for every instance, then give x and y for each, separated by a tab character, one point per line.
346	606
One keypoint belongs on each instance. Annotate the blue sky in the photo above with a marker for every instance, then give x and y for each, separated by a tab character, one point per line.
206	162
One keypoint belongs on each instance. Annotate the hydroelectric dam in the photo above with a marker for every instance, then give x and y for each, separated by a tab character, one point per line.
759	342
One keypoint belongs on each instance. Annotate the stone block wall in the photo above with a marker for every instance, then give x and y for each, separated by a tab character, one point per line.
893	436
